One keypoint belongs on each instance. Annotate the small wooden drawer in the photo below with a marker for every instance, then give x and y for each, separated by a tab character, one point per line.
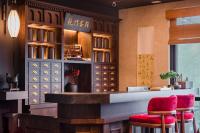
112	84
34	78
45	72
112	73
33	86
97	89
56	66
56	88
112	78
45	79
56	78
105	84
112	67
45	86
97	84
97	79
34	97
56	72
34	100
112	89
34	65
45	65
105	78
105	67
97	73
97	67
42	94
105	73
105	89
34	72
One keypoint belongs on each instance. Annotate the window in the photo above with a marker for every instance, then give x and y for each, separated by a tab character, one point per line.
187	62
188	20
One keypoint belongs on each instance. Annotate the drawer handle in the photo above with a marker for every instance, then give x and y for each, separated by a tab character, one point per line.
34	101
45	86
97	67
45	92
35	86
56	79
112	84
97	73
105	73
46	65
105	84
97	90
56	65
112	73
105	90
104	67
104	78
34	72
112	68
35	65
46	79
97	78
112	79
56	72
97	84
112	90
46	72
35	93
35	79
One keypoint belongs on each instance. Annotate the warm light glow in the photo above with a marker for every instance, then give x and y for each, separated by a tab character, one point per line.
156	2
13	23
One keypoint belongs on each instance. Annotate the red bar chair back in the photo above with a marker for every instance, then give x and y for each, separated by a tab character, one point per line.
161	111
185	111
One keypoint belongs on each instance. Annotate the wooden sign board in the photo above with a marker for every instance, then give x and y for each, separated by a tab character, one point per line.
77	22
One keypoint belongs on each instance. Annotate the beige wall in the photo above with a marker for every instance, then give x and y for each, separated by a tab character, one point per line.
134	18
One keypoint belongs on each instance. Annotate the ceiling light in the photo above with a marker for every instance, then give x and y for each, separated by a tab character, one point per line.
156	2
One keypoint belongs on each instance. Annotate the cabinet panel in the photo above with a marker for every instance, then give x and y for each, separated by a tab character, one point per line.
56	66
56	88
42	94
45	65
45	79
34	78
34	65
45	72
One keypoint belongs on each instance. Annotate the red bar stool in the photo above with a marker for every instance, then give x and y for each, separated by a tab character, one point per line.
185	111
161	111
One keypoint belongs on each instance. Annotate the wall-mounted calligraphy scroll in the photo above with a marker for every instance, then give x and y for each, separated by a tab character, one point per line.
145	70
77	22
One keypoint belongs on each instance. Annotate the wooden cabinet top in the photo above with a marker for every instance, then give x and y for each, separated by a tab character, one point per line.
13	95
110	98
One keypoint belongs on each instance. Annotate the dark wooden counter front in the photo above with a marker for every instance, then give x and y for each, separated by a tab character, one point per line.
101	112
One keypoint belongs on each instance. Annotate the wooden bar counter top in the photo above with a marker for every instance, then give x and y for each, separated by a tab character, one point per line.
95	112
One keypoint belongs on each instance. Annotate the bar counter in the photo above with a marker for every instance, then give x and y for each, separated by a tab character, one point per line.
98	112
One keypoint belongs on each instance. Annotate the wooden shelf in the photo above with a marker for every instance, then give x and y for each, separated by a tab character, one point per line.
77	62
42	25
102	49
37	59
102	34
38	43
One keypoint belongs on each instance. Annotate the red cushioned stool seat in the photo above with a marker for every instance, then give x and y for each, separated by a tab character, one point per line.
151	119
187	115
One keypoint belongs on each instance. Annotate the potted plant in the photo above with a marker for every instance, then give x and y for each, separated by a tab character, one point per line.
170	75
